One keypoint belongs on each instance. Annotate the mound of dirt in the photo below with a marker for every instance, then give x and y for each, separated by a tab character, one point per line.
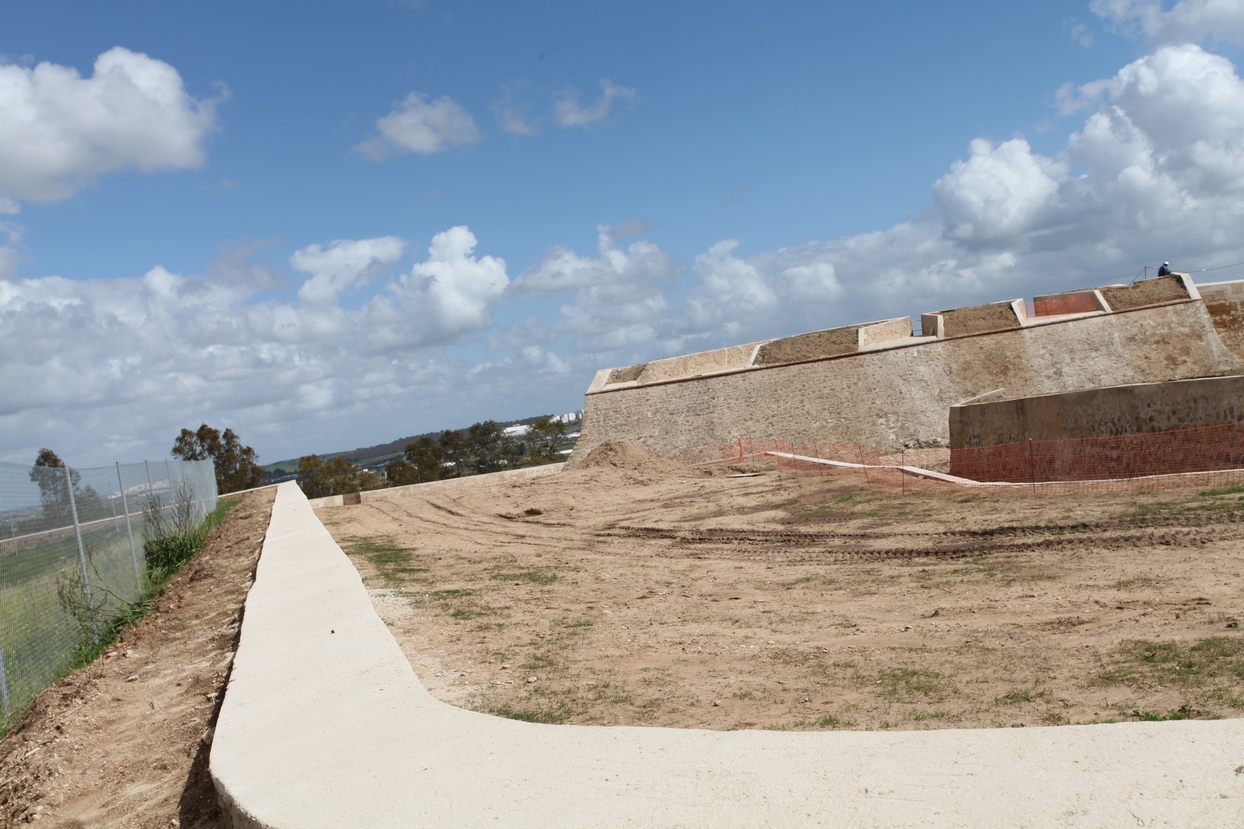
812	346
631	457
1145	292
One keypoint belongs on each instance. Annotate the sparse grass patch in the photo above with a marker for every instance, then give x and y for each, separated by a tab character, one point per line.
902	682
540	576
1208	670
1019	695
538	662
552	713
1228	490
392	561
921	716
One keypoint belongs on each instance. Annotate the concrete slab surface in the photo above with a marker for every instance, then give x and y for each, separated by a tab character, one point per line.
324	724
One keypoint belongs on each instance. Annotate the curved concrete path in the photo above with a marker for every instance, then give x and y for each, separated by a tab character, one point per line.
324	724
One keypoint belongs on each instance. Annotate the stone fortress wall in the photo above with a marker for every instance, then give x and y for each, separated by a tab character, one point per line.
878	385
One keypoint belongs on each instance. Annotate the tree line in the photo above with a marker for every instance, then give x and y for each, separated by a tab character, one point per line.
481	448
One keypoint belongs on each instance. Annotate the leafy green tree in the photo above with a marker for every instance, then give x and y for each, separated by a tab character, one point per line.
424	461
491	449
399	472
457	453
543	437
319	478
236	465
49	475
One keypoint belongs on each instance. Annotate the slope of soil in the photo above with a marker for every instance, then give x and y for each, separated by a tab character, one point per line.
124	742
596	596
998	316
1145	292
809	346
631	457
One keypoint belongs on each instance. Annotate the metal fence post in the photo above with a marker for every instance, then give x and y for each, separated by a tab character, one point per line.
125	506
4	676
151	496
77	528
172	492
4	683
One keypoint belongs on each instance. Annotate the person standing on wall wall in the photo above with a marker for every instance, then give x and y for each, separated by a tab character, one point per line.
1165	270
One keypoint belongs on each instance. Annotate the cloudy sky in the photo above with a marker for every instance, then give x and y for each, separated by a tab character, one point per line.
328	225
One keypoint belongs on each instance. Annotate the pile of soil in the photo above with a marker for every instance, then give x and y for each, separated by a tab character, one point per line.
812	346
633	458
1145	292
997	316
125	741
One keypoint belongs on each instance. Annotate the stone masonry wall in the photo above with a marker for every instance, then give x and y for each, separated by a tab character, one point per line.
1117	410
1225	302
888	398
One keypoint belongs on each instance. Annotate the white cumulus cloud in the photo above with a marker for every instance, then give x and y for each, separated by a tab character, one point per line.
451	294
59	131
416	125
563	270
343	265
999	193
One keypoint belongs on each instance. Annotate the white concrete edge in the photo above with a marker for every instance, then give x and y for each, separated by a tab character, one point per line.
324	724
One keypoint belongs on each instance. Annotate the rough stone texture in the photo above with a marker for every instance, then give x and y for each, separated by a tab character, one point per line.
891	397
815	345
703	362
1117	410
1146	292
1225	301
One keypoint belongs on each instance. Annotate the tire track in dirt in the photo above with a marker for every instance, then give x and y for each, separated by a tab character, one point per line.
789	547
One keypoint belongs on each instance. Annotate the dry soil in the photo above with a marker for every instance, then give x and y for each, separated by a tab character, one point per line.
634	590
125	741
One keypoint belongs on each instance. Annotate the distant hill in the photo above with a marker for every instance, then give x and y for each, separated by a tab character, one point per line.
380	454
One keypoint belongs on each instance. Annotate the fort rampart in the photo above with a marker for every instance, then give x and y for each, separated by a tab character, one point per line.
877	385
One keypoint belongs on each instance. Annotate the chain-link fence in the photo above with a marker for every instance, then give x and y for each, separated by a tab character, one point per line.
71	558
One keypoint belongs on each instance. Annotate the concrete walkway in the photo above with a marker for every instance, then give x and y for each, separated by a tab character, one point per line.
324	724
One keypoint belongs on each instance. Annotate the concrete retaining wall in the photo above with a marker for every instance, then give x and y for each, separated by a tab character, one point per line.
900	394
324	724
1116	410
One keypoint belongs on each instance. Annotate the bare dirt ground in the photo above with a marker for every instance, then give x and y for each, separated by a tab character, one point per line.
633	590
125	741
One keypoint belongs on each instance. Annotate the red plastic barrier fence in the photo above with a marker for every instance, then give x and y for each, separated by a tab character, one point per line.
1200	449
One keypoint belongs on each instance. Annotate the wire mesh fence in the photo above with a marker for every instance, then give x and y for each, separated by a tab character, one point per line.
71	557
1202	457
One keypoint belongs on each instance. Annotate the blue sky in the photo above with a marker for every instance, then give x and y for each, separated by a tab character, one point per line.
328	225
